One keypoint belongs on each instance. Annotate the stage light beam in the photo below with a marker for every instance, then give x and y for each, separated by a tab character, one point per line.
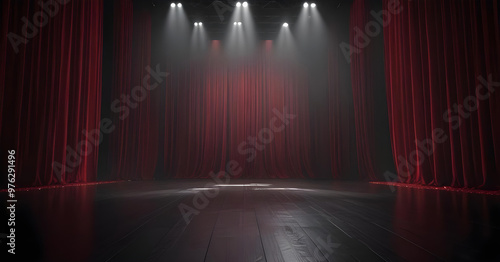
179	5
313	5
239	23
245	4
195	24
285	24
306	5
172	5
238	4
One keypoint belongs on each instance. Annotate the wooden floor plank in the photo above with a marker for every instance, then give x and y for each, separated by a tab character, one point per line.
236	235
278	220
285	239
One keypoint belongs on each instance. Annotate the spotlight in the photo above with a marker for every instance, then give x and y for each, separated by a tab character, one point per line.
235	23
239	23
238	4
245	4
172	5
179	5
313	5
306	5
285	24
196	24
200	23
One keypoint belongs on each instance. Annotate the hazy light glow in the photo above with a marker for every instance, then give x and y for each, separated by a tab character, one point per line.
177	33
241	40
313	5
306	5
285	44
179	5
282	189
199	41
172	5
196	189
242	185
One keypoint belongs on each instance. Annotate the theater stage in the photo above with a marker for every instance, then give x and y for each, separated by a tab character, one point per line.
250	220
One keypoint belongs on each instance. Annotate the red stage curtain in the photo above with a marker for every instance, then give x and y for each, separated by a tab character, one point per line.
134	143
363	95
439	55
340	115
51	89
215	109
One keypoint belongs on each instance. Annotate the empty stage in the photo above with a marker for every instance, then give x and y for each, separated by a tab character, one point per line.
255	220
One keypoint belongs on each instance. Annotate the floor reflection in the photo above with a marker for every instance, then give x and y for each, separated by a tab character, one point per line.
251	220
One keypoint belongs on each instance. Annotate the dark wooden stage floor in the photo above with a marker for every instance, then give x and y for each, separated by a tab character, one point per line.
285	220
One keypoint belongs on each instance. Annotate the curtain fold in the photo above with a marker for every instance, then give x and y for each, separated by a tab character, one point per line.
249	115
134	144
366	41
363	92
339	119
442	71
50	76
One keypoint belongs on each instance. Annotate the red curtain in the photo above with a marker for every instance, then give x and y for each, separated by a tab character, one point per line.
340	119
363	91
251	115
134	143
50	75
123	28
440	56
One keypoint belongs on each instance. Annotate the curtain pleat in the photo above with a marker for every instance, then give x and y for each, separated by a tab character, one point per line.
442	71
50	75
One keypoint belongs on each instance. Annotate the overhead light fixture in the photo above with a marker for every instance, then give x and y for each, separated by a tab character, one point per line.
239	23
172	5
306	5
235	23
285	24
313	5
179	5
245	4
200	23
238	4
196	24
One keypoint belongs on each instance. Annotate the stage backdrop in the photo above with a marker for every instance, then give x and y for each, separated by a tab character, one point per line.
249	117
134	143
50	89
369	90
442	70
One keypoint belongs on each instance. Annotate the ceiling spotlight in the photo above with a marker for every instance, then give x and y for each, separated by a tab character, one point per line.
245	4
306	5
179	5
285	24
239	23
172	5
200	23
313	5
196	24
238	4
235	23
